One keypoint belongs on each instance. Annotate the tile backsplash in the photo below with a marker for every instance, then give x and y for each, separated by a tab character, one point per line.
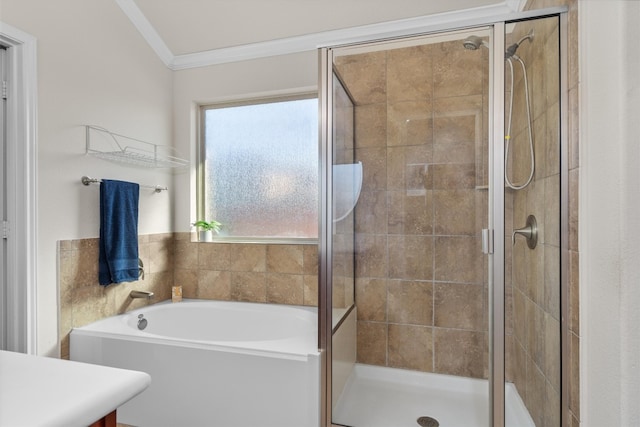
83	300
281	274
270	273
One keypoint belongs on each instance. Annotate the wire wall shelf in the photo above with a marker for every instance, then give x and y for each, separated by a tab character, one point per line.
111	146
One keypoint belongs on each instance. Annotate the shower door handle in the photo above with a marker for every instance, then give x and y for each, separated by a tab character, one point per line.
487	241
529	231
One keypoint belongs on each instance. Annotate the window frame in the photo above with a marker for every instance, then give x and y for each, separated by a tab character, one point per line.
201	157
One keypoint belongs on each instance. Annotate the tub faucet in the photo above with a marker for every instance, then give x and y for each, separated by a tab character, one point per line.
141	294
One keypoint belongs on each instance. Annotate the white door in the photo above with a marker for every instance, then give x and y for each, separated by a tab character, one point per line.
18	181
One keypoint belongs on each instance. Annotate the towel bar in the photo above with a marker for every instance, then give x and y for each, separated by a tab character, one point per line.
88	180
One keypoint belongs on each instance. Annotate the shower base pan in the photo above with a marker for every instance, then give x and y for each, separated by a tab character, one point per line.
382	397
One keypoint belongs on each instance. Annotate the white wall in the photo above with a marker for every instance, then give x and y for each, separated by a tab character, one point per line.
609	206
93	68
240	80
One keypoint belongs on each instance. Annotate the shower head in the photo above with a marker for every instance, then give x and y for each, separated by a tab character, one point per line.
473	43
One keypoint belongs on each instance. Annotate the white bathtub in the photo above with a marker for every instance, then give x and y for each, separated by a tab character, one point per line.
213	363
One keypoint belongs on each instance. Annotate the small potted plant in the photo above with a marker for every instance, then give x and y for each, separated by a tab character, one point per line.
206	229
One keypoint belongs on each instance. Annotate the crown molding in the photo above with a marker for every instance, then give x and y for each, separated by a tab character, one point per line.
516	5
149	33
309	42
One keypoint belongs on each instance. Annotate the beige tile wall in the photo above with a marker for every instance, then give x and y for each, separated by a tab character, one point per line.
420	286
83	300
533	346
533	352
281	274
574	168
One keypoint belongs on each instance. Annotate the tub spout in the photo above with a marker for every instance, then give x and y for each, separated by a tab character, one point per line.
141	294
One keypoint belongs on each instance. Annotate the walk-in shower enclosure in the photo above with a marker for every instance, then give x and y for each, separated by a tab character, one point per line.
432	287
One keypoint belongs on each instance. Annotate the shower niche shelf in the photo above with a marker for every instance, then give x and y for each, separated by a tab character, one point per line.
114	147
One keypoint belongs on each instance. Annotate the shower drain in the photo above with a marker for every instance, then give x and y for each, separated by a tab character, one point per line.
428	422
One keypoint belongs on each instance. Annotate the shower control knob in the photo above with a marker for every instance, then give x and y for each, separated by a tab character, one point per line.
529	231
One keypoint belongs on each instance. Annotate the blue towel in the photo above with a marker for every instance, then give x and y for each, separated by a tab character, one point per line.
118	261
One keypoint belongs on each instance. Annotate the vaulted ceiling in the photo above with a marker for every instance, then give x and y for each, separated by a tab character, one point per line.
187	33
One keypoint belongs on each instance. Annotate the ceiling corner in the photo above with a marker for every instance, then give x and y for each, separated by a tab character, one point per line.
147	31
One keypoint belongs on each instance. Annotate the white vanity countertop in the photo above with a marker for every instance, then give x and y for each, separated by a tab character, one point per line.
42	391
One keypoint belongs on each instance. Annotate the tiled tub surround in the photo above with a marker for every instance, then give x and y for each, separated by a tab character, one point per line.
280	274
269	273
83	300
420	281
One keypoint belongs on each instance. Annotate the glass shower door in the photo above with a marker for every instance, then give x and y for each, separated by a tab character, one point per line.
414	349
346	176
532	221
459	232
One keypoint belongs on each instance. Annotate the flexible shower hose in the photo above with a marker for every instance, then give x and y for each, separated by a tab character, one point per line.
508	133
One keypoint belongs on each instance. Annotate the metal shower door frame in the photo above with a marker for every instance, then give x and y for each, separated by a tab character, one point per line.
494	234
3	242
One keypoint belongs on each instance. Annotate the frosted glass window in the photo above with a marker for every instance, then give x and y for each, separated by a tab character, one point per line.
260	168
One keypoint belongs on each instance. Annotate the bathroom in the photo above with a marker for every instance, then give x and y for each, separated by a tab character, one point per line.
110	77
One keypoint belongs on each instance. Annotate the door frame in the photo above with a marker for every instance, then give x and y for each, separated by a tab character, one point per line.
21	129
